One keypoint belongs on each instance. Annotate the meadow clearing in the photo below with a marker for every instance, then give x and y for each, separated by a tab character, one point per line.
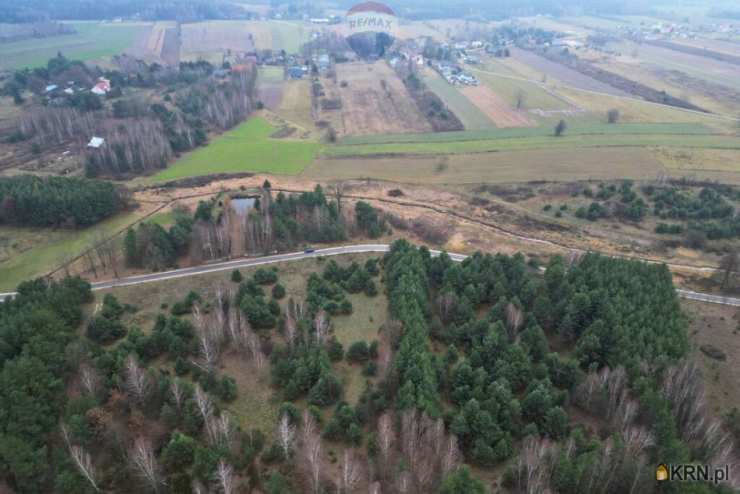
256	404
246	148
27	253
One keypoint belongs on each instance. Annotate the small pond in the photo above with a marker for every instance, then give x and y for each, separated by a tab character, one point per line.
242	205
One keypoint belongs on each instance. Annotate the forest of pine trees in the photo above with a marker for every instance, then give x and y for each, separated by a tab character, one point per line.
482	363
29	200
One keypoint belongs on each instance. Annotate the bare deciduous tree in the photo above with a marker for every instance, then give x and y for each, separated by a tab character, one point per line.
210	338
451	456
429	451
311	450
350	474
514	319
321	325
225	476
137	382
205	407
81	459
290	329
386	439
143	459
286	434
178	392
532	469
89	379
221	431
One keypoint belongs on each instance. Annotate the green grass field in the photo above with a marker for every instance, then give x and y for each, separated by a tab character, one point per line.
557	165
542	131
92	41
26	253
247	148
469	114
541	142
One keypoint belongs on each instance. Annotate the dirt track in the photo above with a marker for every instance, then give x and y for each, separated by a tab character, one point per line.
495	108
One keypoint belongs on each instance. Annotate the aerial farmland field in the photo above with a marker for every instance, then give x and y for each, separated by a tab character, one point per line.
470	115
493	167
532	95
375	101
247	148
500	112
93	40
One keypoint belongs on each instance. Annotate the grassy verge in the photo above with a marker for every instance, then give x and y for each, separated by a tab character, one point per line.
536	142
247	148
26	253
566	165
575	129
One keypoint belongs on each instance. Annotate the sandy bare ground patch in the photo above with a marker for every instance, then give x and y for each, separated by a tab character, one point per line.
375	101
495	108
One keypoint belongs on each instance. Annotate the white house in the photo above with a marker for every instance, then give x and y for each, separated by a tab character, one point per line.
96	142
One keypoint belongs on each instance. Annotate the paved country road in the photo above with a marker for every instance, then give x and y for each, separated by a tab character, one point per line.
331	251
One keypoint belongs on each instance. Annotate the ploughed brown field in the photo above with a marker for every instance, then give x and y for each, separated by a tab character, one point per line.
495	108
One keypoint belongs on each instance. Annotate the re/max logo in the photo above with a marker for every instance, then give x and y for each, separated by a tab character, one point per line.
370	22
692	473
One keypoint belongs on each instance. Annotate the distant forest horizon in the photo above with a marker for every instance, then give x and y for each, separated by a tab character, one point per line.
42	10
